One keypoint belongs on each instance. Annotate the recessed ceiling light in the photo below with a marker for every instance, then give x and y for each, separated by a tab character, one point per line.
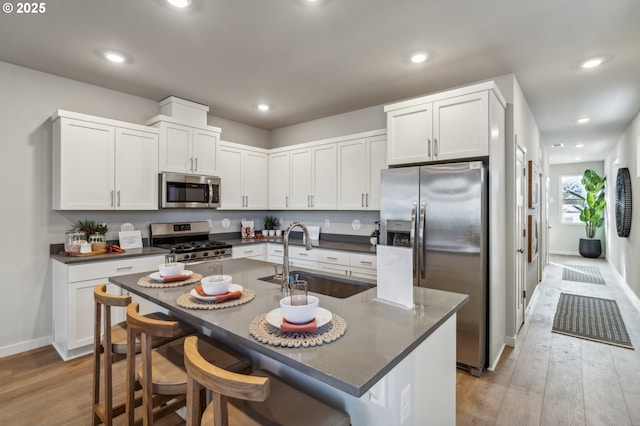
116	57
579	145
418	58
180	3
263	107
584	120
592	63
557	145
577	158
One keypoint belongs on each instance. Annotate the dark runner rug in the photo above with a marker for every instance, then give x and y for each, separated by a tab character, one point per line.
583	274
591	318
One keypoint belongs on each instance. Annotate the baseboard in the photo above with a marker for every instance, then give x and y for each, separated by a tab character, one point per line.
632	296
510	341
493	366
25	346
564	253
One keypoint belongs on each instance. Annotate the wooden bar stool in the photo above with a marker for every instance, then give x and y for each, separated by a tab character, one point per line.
113	344
258	399
161	372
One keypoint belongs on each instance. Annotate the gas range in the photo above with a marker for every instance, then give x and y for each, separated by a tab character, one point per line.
189	241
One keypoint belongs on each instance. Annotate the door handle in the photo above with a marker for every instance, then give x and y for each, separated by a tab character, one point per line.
421	239
412	236
520	251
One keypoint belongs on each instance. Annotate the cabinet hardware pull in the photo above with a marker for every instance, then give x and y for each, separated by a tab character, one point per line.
286	201
435	147
308	200
248	251
196	168
192	164
112	199
332	258
303	254
429	147
312	202
122	268
367	200
118	198
247	197
365	263
362	200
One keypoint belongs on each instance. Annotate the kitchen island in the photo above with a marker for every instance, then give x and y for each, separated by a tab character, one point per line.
392	366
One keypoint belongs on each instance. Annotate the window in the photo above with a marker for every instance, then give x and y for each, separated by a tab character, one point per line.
571	183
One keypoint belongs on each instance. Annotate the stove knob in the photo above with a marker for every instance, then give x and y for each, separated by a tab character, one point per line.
187	256
205	254
216	252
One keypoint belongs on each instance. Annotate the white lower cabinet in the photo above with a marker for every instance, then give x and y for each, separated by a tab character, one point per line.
275	253
74	306
250	251
351	264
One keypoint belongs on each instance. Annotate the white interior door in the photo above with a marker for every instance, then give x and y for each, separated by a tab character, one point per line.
520	236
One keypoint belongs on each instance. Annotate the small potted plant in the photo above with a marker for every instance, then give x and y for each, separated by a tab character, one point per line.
375	234
270	222
593	204
89	227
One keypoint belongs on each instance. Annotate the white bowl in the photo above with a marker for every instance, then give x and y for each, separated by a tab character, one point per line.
216	284
299	314
171	269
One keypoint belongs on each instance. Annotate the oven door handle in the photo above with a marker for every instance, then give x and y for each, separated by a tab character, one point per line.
197	262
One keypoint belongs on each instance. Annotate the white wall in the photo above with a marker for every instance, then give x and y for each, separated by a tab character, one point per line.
565	237
521	130
240	133
624	253
359	121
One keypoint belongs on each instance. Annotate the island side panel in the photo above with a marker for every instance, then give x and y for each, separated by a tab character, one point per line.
427	377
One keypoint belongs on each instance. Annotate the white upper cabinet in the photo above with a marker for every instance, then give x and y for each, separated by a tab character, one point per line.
461	127
244	177
279	183
446	126
102	164
313	177
301	176
186	148
410	134
359	165
324	169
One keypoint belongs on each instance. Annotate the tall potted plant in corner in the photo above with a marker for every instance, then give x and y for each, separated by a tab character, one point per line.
593	204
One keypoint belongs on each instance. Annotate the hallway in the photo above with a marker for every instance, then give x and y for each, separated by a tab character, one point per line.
553	379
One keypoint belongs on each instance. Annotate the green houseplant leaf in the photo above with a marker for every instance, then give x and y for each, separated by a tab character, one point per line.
593	203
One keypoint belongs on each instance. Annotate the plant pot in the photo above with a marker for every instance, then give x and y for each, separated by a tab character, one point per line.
590	248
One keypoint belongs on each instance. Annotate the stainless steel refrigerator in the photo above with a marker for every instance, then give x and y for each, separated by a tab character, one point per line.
441	211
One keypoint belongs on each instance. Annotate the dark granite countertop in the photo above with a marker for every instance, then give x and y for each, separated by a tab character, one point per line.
379	335
328	245
144	251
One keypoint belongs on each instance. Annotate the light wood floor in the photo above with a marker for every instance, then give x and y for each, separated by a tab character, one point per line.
547	379
552	379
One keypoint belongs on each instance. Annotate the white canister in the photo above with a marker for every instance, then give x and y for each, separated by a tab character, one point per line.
85	248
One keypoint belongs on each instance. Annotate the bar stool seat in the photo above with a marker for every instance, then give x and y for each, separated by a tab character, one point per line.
258	399
161	372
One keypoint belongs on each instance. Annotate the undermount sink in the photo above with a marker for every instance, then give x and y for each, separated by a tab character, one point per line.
322	284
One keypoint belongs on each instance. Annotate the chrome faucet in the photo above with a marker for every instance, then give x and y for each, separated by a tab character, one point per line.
285	257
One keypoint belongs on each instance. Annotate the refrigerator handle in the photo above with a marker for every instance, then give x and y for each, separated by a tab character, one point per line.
412	236
421	240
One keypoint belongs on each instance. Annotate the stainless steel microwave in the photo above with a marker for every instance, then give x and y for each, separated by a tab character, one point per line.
181	191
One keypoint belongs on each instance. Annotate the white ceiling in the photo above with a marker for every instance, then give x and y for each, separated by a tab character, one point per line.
316	60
